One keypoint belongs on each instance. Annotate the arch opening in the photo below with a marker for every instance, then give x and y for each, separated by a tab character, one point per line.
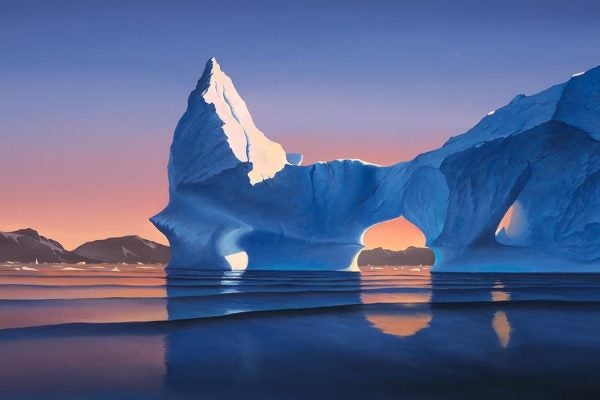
512	229
395	242
505	221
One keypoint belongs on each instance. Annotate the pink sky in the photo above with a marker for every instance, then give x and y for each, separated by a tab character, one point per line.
92	187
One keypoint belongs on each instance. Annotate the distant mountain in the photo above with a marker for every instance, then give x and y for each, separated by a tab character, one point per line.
410	256
27	246
126	249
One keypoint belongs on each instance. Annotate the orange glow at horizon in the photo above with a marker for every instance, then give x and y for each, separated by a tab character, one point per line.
91	187
87	188
397	234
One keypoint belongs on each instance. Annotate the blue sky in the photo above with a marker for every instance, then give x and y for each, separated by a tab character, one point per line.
391	69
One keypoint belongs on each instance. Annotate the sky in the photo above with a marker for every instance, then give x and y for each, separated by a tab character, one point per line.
90	92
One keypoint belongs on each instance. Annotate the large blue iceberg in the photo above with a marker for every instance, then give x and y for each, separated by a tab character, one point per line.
239	201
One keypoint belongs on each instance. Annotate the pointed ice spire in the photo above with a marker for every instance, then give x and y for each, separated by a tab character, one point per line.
216	112
211	70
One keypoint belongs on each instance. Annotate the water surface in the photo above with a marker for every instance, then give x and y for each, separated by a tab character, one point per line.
129	331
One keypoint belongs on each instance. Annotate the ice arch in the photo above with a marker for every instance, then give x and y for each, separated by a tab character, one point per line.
234	191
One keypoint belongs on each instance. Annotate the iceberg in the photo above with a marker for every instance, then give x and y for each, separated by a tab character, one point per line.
238	201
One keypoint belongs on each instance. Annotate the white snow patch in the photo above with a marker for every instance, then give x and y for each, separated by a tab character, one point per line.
126	252
71	269
147	243
577	74
54	248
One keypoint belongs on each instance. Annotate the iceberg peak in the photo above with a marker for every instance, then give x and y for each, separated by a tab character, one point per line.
217	133
212	71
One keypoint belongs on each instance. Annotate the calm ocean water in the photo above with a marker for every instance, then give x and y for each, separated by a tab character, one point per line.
129	332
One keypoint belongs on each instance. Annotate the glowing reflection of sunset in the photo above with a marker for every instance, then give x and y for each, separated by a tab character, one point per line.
89	294
500	323
412	313
399	324
498	294
502	327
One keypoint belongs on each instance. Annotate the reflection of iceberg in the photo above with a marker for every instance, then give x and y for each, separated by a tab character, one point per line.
230	281
328	329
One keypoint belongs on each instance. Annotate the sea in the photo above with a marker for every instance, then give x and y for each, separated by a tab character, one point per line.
396	332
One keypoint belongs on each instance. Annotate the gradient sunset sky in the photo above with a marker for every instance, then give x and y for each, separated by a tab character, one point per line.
90	92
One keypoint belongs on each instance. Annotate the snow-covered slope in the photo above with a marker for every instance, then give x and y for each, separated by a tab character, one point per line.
538	155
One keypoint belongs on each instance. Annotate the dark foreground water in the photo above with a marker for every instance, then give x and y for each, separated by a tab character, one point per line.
128	332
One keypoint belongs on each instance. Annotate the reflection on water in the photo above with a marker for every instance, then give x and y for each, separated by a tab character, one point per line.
501	327
55	294
41	367
410	293
230	280
499	293
500	322
399	322
246	334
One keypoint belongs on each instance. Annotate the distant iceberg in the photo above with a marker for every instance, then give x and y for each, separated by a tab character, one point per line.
239	201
